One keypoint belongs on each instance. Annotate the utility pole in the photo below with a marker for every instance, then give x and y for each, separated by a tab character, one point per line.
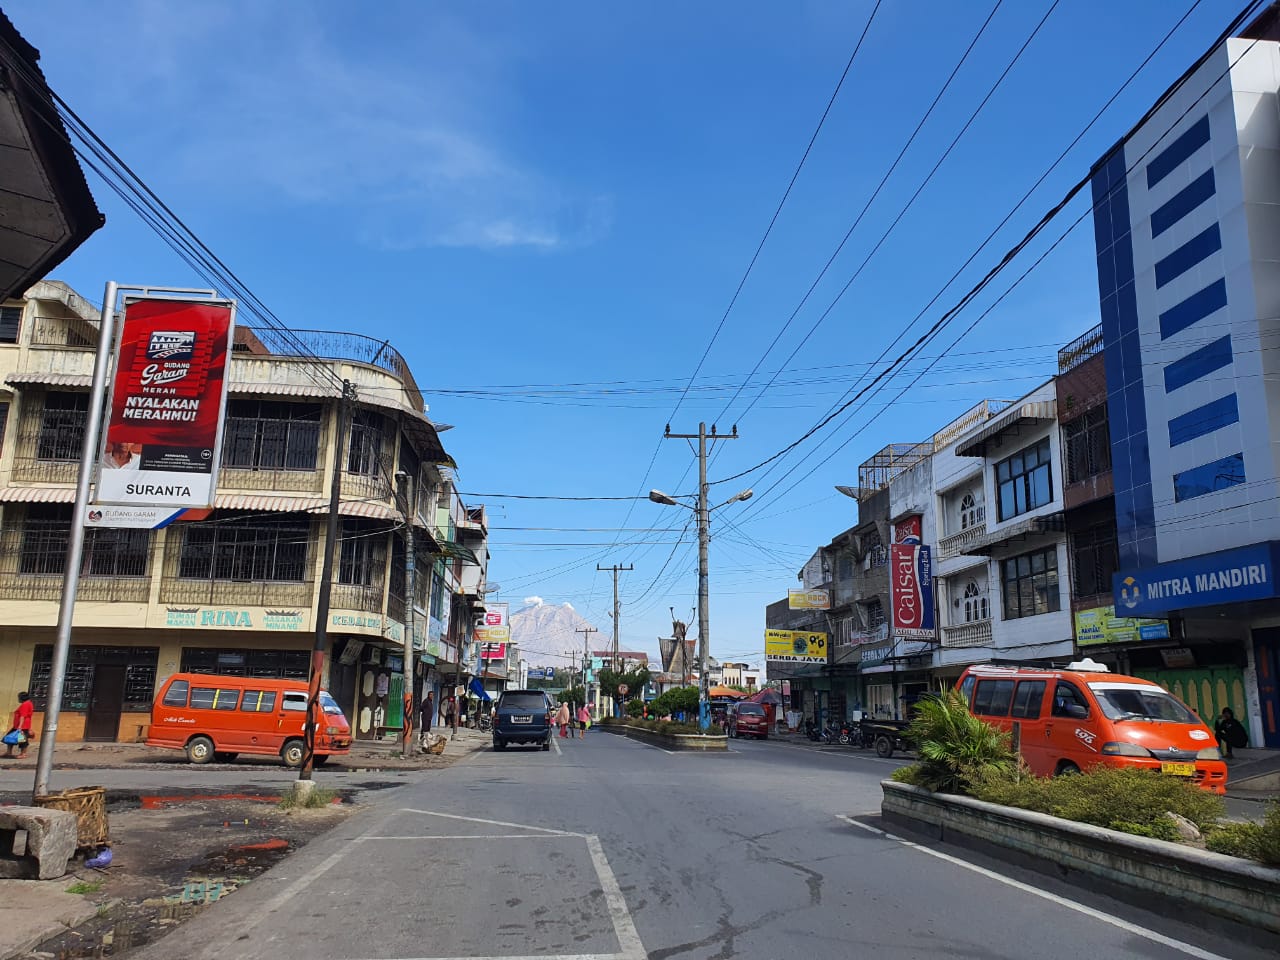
586	650
704	540
314	715
617	607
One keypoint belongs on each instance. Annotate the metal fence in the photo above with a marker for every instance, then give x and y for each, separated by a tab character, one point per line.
1080	349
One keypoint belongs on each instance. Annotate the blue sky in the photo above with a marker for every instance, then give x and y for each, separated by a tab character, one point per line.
549	206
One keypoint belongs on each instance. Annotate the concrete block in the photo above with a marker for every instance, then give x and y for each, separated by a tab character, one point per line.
52	836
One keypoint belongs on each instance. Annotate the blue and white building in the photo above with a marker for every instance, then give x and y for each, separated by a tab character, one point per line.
1187	227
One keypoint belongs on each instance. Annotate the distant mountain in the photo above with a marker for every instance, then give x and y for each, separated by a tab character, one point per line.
547	636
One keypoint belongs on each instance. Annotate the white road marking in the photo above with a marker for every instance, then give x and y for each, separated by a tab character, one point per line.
556	743
1107	918
472	836
492	823
623	926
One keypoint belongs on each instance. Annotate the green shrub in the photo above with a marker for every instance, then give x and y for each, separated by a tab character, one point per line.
955	747
910	774
635	708
1119	798
1236	840
1269	841
318	797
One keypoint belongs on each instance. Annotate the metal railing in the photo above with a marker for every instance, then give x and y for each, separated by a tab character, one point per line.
975	634
293	481
1080	349
979	413
954	545
49	587
72	334
234	592
352	596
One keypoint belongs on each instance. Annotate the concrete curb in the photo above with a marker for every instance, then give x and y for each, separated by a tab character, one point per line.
36	910
1193	879
694	742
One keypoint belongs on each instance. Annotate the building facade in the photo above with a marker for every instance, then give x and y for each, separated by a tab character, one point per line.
236	592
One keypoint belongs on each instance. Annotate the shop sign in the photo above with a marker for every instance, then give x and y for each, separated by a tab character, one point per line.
794	646
911	590
1101	625
370	623
493	651
909	529
492	629
874	656
535	673
223	618
166	404
1229	576
809	599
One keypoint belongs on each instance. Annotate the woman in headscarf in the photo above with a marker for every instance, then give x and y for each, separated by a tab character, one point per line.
562	719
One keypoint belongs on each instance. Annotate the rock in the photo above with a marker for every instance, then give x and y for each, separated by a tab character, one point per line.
1186	829
52	837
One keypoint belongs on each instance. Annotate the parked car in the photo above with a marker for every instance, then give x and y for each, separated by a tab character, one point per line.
218	718
1084	716
748	720
522	716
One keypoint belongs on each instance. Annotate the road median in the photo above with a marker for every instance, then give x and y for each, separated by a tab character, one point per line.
692	742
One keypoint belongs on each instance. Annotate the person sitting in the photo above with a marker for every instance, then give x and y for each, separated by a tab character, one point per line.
1231	733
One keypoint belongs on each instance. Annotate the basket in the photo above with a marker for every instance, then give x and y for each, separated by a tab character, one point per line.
89	804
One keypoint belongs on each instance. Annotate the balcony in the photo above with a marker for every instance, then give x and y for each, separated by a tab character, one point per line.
1080	349
214	593
94	589
292	481
352	596
975	634
954	545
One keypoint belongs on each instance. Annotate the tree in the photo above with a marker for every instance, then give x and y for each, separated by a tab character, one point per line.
572	695
676	700
634	679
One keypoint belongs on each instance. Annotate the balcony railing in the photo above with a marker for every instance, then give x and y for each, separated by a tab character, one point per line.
1080	349
235	592
975	634
52	332
293	481
954	545
351	596
110	589
34	470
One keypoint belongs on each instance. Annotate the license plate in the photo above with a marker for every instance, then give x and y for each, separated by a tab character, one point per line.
1179	769
522	719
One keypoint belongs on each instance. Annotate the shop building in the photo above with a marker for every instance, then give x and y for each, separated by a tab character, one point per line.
237	592
1185	219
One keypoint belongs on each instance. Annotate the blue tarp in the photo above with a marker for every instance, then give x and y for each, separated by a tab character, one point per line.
478	689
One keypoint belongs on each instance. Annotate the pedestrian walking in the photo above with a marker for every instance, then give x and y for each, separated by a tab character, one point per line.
562	719
584	721
428	711
19	734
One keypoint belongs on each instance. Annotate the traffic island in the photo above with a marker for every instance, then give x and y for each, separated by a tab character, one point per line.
695	742
1189	880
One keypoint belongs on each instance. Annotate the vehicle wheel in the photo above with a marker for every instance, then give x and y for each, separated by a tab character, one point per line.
221	756
1065	769
200	750
884	746
499	744
320	759
292	752
845	739
764	736
546	745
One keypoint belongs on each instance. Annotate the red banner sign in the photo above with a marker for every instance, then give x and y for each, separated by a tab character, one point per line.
911	590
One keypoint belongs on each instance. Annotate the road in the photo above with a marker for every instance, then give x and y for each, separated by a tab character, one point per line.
609	848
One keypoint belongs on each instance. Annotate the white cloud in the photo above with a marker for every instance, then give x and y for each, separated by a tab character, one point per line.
533	601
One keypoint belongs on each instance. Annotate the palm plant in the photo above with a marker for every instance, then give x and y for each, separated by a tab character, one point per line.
955	747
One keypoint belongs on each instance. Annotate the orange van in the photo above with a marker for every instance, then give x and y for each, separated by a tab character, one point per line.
1073	719
217	718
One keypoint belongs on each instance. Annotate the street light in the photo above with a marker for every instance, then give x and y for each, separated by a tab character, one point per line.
703	513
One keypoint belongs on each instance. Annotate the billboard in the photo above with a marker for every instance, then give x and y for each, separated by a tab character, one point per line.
808	599
795	646
164	428
493	651
911	590
1101	625
493	631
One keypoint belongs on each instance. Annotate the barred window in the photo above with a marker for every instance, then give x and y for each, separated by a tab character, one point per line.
107	552
362	559
367	440
271	435
62	424
875	614
1088	441
244	549
1095	559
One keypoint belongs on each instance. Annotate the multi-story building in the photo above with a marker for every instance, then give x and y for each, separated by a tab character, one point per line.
1185	219
235	593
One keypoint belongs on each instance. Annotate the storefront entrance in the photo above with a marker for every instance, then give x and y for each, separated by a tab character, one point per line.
1266	654
106	702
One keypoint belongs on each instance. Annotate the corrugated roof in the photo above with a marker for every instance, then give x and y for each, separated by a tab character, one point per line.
1036	411
50	378
273	389
38	494
257	503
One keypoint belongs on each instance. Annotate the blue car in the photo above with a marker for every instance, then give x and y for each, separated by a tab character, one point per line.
522	716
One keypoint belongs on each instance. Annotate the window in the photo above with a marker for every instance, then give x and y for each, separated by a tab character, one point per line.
10	324
976	606
276	664
966	688
246	549
271	435
1094	559
437	596
295	701
116	553
82	662
365	455
971	513
258	701
44	539
62	425
362	559
875	614
107	552
214	698
1027	699
1031	584
1024	480
993	697
844	567
1088	443
176	695
1069	702
4	421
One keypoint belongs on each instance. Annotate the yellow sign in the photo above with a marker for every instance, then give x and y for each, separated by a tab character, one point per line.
1101	625
795	646
808	599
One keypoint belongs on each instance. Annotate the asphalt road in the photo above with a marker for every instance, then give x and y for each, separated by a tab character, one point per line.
609	848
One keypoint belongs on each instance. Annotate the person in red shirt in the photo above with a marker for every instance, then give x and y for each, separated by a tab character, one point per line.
22	723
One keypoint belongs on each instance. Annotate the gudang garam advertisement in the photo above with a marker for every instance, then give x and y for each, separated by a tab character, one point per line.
167	400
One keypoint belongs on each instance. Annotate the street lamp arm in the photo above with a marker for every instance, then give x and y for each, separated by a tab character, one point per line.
657	496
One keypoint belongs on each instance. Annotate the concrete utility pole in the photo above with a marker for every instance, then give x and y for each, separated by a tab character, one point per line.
586	653
703	513
617	607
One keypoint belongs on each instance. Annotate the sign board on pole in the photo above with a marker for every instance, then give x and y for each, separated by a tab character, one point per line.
164	427
911	590
791	646
493	651
493	632
808	599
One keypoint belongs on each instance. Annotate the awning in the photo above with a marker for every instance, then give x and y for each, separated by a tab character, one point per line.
456	551
256	503
1026	414
38	495
1015	534
477	688
49	378
426	440
272	389
765	695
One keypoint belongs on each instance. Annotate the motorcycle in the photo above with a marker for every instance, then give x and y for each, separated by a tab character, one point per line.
811	731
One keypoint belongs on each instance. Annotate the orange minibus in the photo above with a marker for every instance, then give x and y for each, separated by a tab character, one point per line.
217	718
1070	720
